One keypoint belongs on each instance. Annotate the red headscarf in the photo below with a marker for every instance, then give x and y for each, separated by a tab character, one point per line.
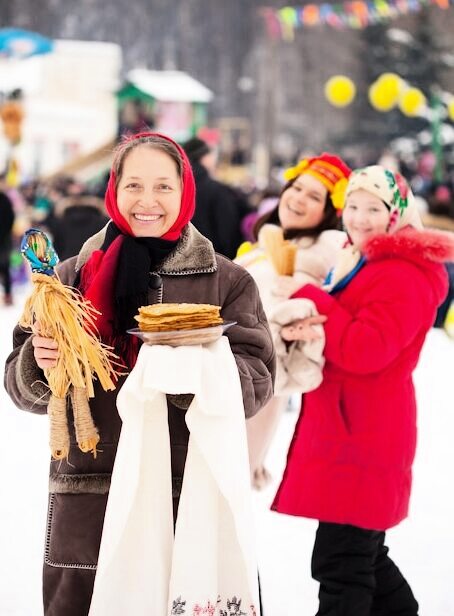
187	198
98	276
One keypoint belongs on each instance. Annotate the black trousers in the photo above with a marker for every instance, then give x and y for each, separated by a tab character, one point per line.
356	575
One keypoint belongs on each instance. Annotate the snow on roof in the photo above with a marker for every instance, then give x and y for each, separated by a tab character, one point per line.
35	73
170	86
24	74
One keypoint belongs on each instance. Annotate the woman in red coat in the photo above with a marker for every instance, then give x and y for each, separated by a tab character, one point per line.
349	464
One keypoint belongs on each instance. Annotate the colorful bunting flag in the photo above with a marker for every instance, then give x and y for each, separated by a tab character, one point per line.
357	14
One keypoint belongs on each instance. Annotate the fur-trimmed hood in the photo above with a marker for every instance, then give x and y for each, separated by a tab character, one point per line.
194	253
413	245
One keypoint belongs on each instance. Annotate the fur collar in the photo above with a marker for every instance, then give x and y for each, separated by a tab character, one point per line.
413	245
194	253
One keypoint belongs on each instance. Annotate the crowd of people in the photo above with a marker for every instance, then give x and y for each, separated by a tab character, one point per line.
343	331
72	210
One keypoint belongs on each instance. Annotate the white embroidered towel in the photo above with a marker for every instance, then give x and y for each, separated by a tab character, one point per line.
211	563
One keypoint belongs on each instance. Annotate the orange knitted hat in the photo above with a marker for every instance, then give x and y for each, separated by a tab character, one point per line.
329	169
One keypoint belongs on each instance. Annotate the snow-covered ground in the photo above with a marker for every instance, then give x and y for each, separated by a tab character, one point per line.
422	546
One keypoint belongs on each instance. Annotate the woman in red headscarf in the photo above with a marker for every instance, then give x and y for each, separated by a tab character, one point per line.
148	253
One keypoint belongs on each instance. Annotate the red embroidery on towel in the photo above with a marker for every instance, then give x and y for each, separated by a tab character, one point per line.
209	610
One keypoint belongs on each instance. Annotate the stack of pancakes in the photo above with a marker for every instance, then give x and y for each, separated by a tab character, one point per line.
171	317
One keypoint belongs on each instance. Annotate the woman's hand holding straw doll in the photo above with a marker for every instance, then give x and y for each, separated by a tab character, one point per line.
66	347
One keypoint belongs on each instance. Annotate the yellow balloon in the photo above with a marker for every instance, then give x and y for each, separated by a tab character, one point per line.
411	102
451	110
380	98
392	84
340	90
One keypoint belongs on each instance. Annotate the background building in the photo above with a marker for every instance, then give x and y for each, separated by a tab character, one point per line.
69	104
272	85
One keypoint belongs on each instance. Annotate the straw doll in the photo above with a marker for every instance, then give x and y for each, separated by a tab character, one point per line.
61	313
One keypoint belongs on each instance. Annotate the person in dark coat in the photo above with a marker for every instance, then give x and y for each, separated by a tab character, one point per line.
6	227
74	219
219	208
148	254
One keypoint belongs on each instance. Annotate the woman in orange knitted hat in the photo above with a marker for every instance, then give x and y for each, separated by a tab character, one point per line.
306	215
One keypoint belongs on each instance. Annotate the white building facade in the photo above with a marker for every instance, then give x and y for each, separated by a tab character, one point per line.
70	107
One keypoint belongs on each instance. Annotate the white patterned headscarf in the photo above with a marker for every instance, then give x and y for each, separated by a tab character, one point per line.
393	190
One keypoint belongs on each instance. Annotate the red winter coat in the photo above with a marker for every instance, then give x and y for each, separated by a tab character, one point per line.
353	448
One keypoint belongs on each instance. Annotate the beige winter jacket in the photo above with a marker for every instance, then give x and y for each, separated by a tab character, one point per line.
299	365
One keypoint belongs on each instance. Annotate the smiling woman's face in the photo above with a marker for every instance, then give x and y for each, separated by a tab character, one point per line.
149	191
302	205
